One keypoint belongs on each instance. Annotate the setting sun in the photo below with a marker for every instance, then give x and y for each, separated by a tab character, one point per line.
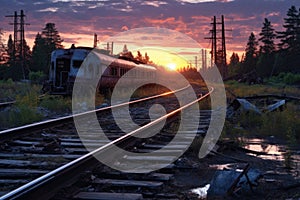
171	66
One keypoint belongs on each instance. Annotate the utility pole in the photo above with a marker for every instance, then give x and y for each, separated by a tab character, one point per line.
218	51
223	49
95	40
19	43
110	47
204	59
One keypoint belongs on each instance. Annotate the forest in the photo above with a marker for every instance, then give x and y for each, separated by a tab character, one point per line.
268	54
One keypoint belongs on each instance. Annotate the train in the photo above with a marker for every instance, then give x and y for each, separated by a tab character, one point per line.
65	68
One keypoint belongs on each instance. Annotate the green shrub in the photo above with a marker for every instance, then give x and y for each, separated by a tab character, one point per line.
30	99
18	115
56	104
286	78
37	77
283	124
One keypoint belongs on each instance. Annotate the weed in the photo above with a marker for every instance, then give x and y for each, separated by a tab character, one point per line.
284	125
56	104
18	115
243	90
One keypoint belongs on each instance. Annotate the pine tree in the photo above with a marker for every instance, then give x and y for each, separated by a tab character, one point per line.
266	56
289	46
146	58
52	42
289	37
234	60
27	56
267	37
234	64
39	54
52	37
250	54
10	50
139	56
125	49
2	49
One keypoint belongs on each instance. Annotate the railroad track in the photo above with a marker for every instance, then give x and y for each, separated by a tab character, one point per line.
60	143
6	104
30	151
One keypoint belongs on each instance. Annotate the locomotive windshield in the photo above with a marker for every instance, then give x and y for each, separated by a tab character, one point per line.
77	63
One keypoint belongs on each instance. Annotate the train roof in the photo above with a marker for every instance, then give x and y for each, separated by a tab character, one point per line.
110	59
102	56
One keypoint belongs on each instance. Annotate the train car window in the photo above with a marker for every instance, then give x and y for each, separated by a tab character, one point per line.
122	71
77	63
113	71
60	64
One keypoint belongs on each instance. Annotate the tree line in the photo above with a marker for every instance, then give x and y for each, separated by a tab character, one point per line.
12	65
264	55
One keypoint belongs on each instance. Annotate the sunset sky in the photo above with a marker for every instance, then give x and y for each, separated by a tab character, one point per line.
78	20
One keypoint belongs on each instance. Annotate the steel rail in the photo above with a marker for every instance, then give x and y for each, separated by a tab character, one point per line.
47	185
28	129
5	104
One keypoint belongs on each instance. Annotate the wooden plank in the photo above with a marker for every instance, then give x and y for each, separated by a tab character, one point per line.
151	158
164	152
25	172
128	183
26	143
121	175
26	163
29	155
82	140
77	144
12	181
107	196
155	146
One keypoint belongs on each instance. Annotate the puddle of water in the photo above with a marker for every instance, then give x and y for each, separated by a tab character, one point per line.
201	191
274	151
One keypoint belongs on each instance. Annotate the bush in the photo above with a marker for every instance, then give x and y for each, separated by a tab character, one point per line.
287	78
18	115
283	124
37	77
56	104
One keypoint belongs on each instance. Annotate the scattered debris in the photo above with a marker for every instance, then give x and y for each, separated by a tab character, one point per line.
201	191
241	105
228	182
278	105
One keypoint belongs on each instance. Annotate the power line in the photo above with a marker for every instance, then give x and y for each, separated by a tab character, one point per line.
218	51
19	44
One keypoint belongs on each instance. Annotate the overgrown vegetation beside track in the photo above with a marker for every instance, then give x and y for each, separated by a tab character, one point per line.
278	88
284	124
30	106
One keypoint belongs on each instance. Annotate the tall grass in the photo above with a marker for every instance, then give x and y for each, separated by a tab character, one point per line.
24	111
57	104
243	89
29	107
284	125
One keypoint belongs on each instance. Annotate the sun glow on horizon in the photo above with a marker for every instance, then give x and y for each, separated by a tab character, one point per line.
171	66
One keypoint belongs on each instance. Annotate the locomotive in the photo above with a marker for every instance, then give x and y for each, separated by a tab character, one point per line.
65	65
